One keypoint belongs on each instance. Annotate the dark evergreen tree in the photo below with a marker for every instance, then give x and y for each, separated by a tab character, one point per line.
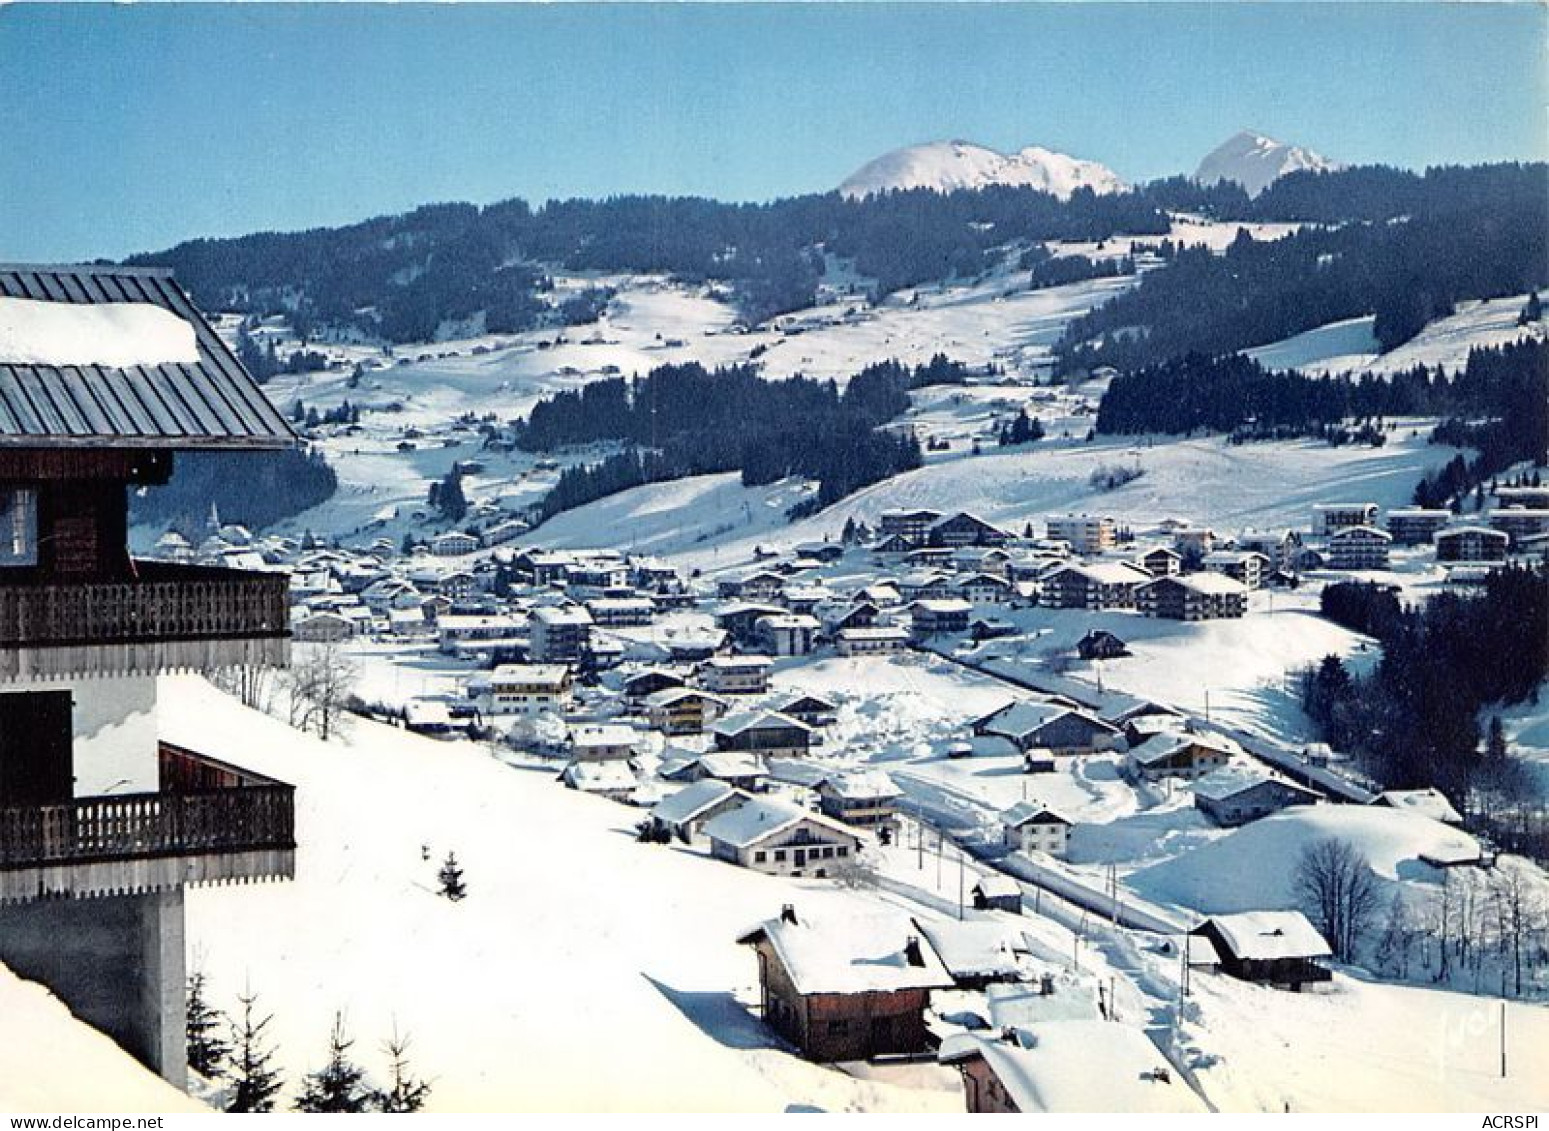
1495	747
340	1085
254	1080
207	1049
450	878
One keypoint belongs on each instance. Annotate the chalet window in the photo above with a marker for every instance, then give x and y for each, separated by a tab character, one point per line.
18	526
758	857
779	854
843	851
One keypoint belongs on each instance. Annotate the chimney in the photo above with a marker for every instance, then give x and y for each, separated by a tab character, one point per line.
788	914
1046	985
912	951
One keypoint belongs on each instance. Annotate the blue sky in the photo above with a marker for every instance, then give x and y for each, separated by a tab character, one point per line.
127	128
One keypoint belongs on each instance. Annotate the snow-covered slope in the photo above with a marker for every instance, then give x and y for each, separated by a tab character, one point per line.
584	970
945	166
1255	161
49	1061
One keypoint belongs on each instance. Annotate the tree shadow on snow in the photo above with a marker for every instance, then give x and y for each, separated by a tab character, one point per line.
720	1016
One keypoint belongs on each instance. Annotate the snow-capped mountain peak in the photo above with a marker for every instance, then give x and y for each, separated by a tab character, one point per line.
1255	162
945	166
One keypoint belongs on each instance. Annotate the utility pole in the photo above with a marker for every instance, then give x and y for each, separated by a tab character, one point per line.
1503	1038
962	869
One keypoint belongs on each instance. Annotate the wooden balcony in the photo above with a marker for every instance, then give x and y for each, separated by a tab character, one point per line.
164	618
210	822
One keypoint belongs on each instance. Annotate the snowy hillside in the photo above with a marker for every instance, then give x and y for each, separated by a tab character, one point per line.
945	166
1255	161
554	985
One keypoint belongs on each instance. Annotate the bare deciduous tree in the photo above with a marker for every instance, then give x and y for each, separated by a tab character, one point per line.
1339	893
320	682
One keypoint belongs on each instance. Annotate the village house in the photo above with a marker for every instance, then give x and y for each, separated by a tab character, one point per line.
761	586
910	526
736	675
977	953
867	798
1180	754
638	686
1279	547
603	742
938	617
768	733
1330	518
621	612
102	822
1066	1067
560	634
1029	724
964	529
849	989
1415	526
1521	523
1083	533
1192	596
1277	948
1432	803
813	710
528	689
997	892
882	640
685	813
682	710
453	544
746	772
1232	796
1100	644
1163	561
461	633
1246	567
1031	826
1102	585
780	839
739	620
322	628
613	780
1358	547
985	589
787	634
1472	544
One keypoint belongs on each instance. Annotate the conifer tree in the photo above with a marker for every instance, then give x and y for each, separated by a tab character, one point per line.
406	1093
207	1050
254	1079
451	877
340	1085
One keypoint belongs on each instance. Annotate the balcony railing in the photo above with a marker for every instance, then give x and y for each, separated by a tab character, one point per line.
187	616
210	821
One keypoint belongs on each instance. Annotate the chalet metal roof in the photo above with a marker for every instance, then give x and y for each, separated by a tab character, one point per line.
211	404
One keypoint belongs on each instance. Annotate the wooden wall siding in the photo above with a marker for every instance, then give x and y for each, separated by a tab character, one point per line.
35	465
156	657
144	875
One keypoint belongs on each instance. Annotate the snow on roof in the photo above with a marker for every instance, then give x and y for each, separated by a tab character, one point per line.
879	632
942	605
1268	935
776	621
691	801
603	734
1024	716
857	952
562	614
114	334
670	695
738	662
732	764
1357	533
862	785
550	674
997	886
426	712
599	777
1107	573
1162	746
1430	803
49	1061
1062	996
976	948
1030	812
763	818
1229	781
1080	1066
1208	583
744	721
